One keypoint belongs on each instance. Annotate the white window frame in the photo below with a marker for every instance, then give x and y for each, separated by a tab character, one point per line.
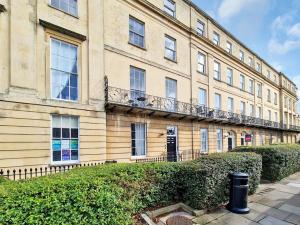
243	108
229	47
259	90
145	140
229	76
242	56
201	64
168	10
61	9
269	95
219	134
242	82
219	107
275	98
200	32
169	49
251	86
217	72
67	162
230	104
65	72
135	20
252	110
216	38
250	61
204	133
202	90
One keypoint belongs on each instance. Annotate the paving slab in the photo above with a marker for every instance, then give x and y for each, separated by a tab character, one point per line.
269	211
291	209
206	218
294	219
269	220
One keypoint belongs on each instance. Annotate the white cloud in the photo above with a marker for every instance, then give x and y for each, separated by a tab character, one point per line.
230	8
279	47
285	35
277	66
295	30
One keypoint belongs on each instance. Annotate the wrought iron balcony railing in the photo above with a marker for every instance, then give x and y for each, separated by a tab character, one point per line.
137	99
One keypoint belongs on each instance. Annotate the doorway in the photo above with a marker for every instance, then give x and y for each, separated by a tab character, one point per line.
172	143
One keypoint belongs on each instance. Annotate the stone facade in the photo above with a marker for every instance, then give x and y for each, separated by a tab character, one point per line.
100	30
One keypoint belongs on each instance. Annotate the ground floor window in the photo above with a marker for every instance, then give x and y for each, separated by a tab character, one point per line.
204	140
261	139
65	138
219	140
138	139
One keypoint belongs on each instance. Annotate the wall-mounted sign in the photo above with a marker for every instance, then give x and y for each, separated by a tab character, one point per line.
248	137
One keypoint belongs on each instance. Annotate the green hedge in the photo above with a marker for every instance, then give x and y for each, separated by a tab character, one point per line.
205	182
279	160
112	194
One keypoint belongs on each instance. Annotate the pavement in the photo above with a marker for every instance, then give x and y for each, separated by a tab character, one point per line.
273	204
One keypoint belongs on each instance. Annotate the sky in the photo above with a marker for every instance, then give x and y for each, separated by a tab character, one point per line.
271	28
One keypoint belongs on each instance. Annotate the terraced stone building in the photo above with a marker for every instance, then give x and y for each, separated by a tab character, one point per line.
89	81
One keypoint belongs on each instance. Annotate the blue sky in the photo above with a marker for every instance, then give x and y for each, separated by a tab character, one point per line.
271	28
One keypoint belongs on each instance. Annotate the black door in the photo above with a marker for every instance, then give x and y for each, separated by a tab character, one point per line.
171	149
229	144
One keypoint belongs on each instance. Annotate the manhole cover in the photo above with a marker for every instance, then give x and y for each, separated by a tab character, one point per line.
179	220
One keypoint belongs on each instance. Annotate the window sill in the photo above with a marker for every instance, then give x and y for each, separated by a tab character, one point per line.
216	79
204	74
53	7
137	46
171	60
71	163
64	100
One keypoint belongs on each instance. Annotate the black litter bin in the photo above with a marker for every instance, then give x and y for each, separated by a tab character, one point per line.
238	198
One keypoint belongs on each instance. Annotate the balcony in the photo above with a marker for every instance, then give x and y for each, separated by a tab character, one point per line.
139	102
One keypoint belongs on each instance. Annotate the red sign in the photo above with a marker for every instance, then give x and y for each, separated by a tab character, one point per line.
248	137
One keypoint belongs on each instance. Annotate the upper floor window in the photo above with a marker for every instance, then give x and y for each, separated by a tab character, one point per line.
243	108
217	101
201	63
229	47
171	94
229	76
275	78
170	7
65	139
251	110
258	67
242	82
200	28
275	98
64	71
202	97
137	85
136	32
275	117
216	38
251	86
270	115
269	74
217	70
68	6
250	61
290	103
259	90
230	104
285	101
259	112
170	48
269	95
242	56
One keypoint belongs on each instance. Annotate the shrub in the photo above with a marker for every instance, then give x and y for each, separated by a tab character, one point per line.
3	179
279	161
112	194
205	181
106	195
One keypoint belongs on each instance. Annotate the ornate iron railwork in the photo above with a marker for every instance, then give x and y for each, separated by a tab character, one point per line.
137	99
